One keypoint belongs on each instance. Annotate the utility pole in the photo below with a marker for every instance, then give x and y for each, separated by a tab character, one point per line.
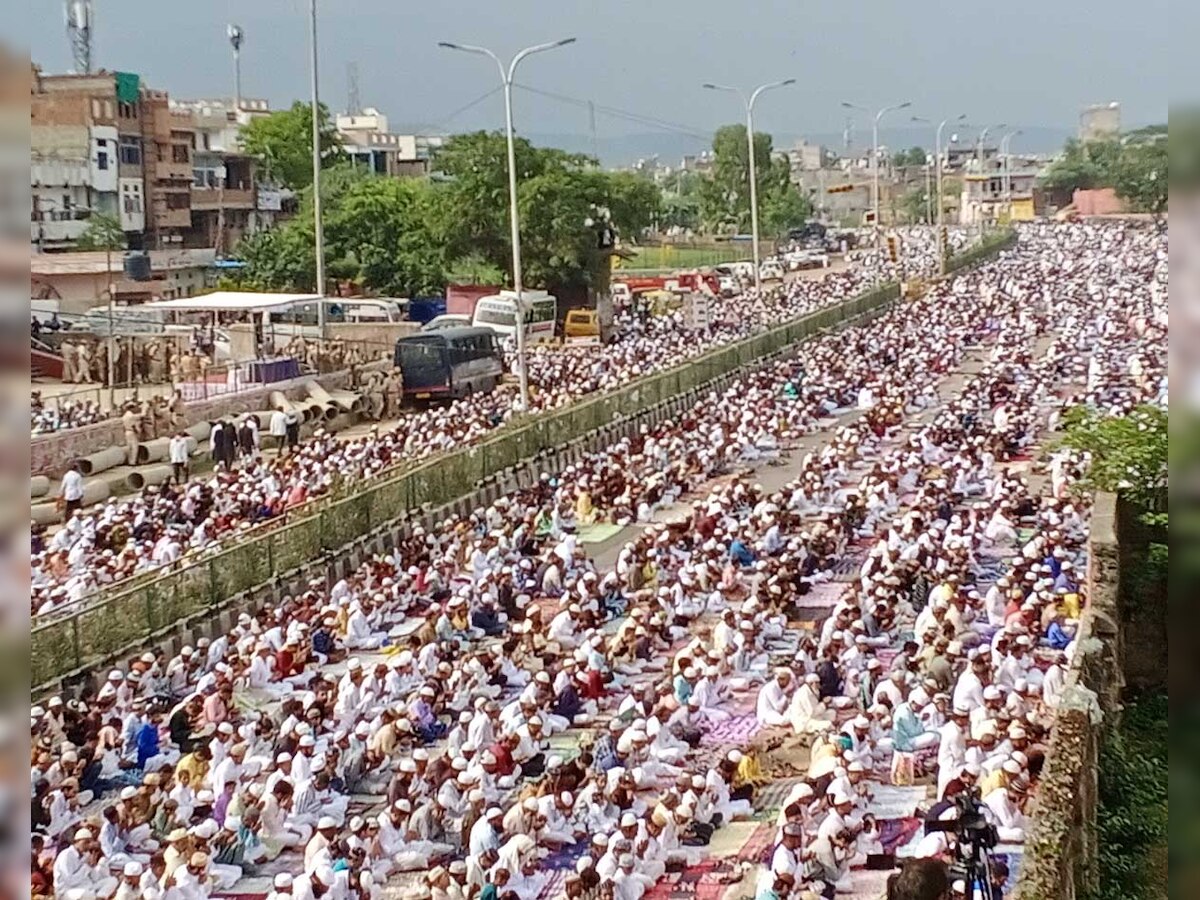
749	102
319	235
506	81
592	126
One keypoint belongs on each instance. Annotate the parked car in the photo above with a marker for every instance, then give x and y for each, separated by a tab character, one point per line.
446	320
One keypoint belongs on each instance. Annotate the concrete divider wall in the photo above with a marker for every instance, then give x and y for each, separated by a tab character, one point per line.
145	609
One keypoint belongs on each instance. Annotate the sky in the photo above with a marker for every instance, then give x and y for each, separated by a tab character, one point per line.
1023	62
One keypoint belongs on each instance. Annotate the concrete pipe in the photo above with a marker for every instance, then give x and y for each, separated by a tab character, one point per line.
39	486
153	451
280	401
148	475
347	401
108	458
45	513
95	492
200	431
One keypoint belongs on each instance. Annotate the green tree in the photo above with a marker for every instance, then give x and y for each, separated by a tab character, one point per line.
103	232
561	197
1129	453
1141	176
281	144
386	227
914	205
1082	166
725	196
913	156
634	202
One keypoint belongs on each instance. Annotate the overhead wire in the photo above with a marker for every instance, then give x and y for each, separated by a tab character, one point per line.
616	113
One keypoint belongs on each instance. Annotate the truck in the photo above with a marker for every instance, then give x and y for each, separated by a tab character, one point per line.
461	298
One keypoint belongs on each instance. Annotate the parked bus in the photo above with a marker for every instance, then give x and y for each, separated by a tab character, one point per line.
449	362
499	313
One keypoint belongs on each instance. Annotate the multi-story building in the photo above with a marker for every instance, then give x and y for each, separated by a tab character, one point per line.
228	199
77	158
368	143
105	143
997	189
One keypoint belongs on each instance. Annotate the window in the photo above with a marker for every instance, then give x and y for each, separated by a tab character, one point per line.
126	110
130	151
179	154
178	201
102	160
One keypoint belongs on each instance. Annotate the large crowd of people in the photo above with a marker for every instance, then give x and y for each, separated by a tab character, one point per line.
162	524
489	712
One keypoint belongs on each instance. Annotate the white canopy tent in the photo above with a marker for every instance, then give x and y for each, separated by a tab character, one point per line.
231	301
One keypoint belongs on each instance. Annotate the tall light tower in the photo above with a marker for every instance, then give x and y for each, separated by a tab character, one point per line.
236	37
79	32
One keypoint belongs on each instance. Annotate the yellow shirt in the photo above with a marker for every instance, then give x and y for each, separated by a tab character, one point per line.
989	783
194	766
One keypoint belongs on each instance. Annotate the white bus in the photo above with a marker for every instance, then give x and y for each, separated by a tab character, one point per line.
499	313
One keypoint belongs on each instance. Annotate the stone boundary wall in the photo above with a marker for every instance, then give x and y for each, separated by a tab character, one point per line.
1061	853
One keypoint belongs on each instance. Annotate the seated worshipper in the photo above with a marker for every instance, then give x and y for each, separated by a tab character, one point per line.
806	713
709	694
1006	805
773	702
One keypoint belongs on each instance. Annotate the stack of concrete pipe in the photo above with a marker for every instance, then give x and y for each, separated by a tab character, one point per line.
346	401
306	411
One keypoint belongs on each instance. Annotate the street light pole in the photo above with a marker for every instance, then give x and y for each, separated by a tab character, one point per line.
937	169
319	235
875	156
753	174
1006	171
506	78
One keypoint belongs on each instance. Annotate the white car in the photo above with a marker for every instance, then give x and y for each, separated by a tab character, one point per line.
771	271
447	320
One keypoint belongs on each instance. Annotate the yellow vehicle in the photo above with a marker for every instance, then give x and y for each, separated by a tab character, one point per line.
585	326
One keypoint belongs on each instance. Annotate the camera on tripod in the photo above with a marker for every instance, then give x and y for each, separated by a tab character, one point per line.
974	836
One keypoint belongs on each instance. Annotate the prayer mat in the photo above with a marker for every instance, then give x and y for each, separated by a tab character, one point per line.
736	730
598	532
759	845
897	802
823	596
730	839
565	857
895	833
553	886
705	881
769	798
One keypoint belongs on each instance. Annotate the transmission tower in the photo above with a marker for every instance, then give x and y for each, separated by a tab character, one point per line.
353	100
79	32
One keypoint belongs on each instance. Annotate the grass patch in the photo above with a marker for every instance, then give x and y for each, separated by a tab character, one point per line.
669	256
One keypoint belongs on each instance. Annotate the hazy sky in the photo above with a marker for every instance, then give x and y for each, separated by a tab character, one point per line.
1026	62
